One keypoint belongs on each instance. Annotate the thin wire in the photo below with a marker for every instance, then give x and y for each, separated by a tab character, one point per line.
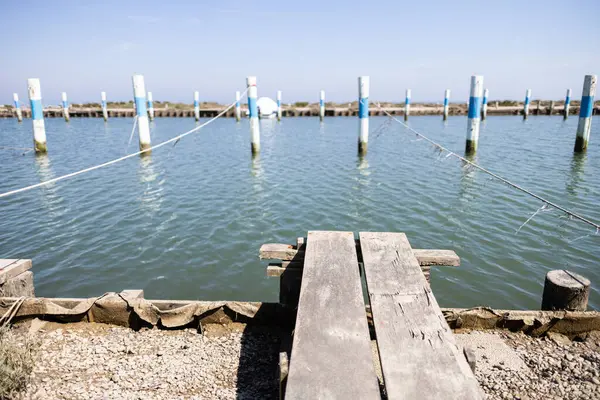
15	148
550	203
132	130
106	164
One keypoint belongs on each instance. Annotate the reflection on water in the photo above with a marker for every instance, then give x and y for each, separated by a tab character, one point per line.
152	196
50	192
467	180
576	172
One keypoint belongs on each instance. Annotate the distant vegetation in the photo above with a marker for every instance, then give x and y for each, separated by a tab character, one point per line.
301	104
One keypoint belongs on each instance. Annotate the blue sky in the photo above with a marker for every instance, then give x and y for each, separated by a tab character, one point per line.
84	47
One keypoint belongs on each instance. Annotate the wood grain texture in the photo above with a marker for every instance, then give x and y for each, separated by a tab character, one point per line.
447	258
11	268
331	353
418	353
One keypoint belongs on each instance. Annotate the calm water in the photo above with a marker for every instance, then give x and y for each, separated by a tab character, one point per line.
187	222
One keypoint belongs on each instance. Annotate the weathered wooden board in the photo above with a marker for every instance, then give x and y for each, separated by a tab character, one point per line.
446	258
11	268
331	353
418	353
278	251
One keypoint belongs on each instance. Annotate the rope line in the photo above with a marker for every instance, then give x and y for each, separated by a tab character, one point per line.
106	164
506	181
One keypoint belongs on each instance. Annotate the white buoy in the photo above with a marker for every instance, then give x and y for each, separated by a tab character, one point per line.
139	93
446	103
585	113
567	104
37	115
279	105
473	120
407	105
526	105
197	106
322	105
253	114
238	110
65	106
103	104
17	107
150	107
363	114
484	104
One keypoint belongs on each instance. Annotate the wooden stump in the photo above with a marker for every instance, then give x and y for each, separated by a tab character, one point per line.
565	290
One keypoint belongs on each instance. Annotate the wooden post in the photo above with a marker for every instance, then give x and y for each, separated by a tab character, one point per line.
407	105
279	105
567	104
197	106
322	105
238	111
37	115
585	113
150	107
484	104
565	290
551	109
526	105
473	120
363	114
65	106
103	104
139	93
253	114
17	107
446	104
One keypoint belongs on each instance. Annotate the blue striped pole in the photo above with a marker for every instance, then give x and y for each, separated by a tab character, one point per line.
253	114
197	106
150	107
407	105
484	104
446	103
65	106
139	94
103	104
567	104
474	114
279	105
17	107
585	113
37	115
526	105
322	105
363	114
238	110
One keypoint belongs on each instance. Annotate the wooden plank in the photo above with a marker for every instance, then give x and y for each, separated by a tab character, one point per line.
11	268
278	251
418	353
331	353
447	258
6	262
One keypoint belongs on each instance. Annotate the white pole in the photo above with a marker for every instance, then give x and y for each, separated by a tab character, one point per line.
238	110
446	103
474	114
527	101
103	103
139	94
197	106
407	105
17	107
253	114
551	111
567	104
279	105
150	107
322	105
65	106
37	115
585	113
363	114
484	104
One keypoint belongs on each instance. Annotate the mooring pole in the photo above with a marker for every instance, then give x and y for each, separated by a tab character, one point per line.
37	115
197	106
585	113
407	105
473	120
526	105
103	104
139	94
484	104
551	109
150	107
238	111
279	105
253	114
567	104
17	107
363	114
446	103
65	106
565	290
322	105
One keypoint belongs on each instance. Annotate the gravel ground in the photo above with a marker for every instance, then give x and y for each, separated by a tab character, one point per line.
516	366
94	361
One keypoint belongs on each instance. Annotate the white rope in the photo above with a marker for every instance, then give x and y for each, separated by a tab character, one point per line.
106	164
132	130
439	146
